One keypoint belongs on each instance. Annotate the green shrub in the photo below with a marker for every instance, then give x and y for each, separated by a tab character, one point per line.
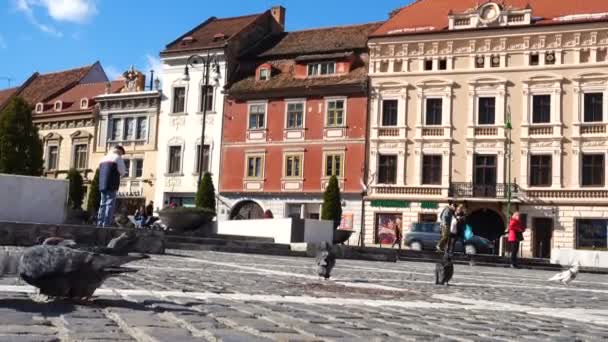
94	195
205	196
76	189
332	203
20	146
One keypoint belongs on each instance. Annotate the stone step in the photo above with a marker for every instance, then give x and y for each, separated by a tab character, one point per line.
223	242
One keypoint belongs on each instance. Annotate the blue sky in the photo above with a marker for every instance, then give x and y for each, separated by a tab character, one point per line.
50	35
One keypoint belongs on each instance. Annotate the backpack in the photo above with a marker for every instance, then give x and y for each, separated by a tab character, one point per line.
468	233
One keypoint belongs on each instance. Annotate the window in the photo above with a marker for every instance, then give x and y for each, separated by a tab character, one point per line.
387	169
84	103
58	106
80	156
142	128
550	58
175	159
495	61
257	113
390	110
594	105
254	166
138	167
335	113
319	69
207	98
127	167
541	109
433	111
206	150
39	108
443	64
129	129
534	59
295	115
593	170
116	130
540	170
431	170
480	62
428	64
333	165
487	110
293	166
427	218
264	74
53	157
591	234
179	100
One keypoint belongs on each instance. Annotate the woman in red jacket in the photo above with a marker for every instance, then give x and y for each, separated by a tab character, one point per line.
516	235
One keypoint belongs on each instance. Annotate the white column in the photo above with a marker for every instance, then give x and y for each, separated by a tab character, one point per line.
418	165
558	57
469	166
500	165
503	60
445	168
446	115
401	168
526	105
541	58
450	63
576	167
556	169
593	55
524	163
500	106
391	65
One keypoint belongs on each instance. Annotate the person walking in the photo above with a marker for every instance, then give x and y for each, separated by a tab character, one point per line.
457	227
445	220
111	169
516	235
398	234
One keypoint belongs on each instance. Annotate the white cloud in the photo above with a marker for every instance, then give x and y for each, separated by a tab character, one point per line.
113	72
154	63
3	44
74	11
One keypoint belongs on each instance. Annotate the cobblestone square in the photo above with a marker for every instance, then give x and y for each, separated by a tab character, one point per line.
208	296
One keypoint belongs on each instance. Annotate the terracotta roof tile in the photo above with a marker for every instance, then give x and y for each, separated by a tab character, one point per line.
48	85
322	40
5	94
432	15
213	33
71	98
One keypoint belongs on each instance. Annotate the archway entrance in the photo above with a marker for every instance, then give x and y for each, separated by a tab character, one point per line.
247	210
487	223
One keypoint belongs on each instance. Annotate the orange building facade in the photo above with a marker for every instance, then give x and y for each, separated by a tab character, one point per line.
295	117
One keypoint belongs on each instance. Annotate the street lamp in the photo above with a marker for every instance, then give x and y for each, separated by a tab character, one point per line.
508	128
210	64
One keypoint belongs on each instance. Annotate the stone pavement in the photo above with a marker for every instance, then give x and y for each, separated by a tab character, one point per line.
208	296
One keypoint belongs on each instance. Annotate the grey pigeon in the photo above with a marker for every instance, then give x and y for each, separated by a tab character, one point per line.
121	245
58	241
326	260
64	272
444	270
568	275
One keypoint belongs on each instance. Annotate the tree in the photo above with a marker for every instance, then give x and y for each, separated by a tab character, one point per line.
20	146
94	195
205	196
332	204
76	190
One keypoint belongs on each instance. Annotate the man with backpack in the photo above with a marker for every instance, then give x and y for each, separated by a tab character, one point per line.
445	220
111	169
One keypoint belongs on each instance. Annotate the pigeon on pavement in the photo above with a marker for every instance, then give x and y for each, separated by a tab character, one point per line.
121	245
444	270
64	272
568	275
326	260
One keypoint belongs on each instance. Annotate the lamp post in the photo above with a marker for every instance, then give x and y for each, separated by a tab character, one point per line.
207	62
508	128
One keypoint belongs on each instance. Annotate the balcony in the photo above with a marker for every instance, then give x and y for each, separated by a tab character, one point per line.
432	132
388	132
486	131
540	130
403	190
471	190
591	129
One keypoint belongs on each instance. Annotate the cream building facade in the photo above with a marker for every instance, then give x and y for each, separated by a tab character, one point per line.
440	104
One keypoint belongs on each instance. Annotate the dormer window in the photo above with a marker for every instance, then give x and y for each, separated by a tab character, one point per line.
57	106
264	74
84	103
219	36
320	69
39	107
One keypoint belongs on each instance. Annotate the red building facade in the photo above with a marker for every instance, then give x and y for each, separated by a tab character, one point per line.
295	116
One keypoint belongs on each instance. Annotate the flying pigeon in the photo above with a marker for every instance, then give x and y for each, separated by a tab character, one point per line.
444	270
118	246
64	272
326	260
568	275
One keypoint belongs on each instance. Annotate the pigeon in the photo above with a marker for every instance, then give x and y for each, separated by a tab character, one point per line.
119	246
568	275
444	270
64	272
326	260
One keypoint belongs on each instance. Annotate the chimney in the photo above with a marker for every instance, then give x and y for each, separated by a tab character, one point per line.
278	12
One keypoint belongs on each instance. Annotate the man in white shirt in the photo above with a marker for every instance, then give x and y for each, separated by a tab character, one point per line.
111	168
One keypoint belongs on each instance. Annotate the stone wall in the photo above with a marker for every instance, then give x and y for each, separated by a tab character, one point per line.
25	234
33	199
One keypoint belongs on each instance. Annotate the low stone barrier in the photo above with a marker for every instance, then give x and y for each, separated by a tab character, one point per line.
26	234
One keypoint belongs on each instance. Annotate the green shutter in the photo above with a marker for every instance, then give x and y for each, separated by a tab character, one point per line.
429	205
390	204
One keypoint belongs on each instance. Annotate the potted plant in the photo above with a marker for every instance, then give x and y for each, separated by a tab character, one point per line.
332	210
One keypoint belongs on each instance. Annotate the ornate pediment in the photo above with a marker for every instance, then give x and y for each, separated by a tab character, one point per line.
490	14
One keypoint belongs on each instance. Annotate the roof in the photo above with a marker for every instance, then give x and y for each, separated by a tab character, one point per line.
5	94
45	86
71	98
432	15
212	33
322	40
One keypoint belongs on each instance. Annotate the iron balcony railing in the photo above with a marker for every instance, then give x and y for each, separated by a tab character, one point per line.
471	190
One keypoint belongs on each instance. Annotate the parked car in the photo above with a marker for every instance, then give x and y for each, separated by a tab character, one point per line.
425	236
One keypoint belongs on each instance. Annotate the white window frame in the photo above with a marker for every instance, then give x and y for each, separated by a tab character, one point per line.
442	111
344	109
57	145
122	118
86	156
200	98
295	101
317	67
84	103
257	103
173	99
543	84
175	142
267	76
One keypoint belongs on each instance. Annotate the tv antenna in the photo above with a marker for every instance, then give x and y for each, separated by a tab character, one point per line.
7	79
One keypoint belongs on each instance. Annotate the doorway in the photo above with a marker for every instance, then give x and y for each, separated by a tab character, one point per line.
484	176
542	233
